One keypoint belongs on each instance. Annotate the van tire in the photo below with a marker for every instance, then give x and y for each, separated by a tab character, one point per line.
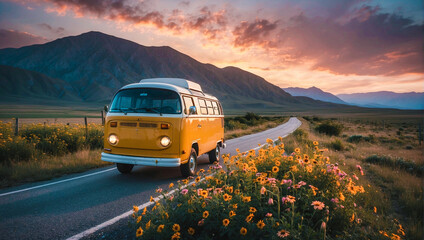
189	168
214	154
124	168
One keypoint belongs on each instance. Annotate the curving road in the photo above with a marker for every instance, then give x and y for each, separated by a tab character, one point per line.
68	206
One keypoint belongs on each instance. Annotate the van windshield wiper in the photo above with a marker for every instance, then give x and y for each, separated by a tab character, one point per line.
126	110
150	110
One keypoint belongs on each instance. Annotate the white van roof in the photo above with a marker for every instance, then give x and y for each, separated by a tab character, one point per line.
184	83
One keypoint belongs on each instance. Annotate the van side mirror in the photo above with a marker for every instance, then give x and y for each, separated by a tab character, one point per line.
106	108
192	110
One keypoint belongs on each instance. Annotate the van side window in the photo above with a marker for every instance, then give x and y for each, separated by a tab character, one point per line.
203	108
210	108
188	102
220	109
215	108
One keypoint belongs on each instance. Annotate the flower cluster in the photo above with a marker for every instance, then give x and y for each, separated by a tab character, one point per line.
258	195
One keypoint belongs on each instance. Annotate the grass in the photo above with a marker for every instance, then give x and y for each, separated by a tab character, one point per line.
49	167
391	162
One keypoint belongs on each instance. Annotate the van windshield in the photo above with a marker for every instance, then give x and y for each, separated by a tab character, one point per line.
146	100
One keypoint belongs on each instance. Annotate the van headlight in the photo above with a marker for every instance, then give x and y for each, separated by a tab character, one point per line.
165	141
113	139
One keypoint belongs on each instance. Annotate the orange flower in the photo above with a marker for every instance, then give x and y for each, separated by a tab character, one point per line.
275	169
160	228
318	205
225	222
243	231
260	224
205	214
232	214
176	227
139	232
191	231
249	217
227	197
252	209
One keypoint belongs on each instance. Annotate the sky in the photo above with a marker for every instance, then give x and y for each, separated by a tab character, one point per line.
340	46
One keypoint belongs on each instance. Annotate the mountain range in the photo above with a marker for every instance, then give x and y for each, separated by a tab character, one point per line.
314	93
92	66
383	99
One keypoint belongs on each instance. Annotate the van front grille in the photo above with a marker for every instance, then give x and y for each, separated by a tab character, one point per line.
128	124
148	125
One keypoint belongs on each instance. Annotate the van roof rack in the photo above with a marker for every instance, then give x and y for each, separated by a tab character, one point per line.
184	83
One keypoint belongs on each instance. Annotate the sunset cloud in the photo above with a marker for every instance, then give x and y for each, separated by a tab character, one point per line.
286	42
15	39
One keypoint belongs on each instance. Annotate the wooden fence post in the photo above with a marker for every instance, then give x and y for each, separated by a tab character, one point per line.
86	128
16	126
103	118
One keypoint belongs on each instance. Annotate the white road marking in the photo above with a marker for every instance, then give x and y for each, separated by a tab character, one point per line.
52	183
147	204
126	214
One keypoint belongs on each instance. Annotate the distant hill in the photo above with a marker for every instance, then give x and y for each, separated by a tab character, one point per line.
385	99
93	66
20	85
314	93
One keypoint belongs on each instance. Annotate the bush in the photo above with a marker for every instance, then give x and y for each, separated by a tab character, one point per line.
330	128
264	196
38	139
399	163
337	145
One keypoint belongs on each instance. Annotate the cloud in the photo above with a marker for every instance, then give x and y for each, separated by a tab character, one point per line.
361	42
15	39
258	32
56	31
206	21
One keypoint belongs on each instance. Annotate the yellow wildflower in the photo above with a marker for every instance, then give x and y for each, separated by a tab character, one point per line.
160	228
148	224
176	227
176	236
135	208
275	169
205	214
249	217
232	214
225	222
243	231
191	231
171	185
139	232
260	224
138	219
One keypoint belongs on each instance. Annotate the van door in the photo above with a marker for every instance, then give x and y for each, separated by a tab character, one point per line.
191	132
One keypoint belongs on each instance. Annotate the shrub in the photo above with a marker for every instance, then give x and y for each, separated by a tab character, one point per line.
38	139
330	128
355	138
260	196
337	145
399	163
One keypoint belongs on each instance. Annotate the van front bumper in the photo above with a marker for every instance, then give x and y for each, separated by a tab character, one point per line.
145	161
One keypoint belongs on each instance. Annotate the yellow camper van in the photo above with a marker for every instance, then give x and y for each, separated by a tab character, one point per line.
163	122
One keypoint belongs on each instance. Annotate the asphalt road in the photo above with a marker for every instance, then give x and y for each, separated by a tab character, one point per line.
64	207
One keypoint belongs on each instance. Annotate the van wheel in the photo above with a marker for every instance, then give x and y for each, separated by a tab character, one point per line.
189	168
214	154
124	168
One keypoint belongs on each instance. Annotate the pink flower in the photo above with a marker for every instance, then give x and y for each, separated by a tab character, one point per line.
268	215
318	205
288	182
288	199
355	177
263	190
270	201
201	222
301	183
335	200
171	197
159	190
184	191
